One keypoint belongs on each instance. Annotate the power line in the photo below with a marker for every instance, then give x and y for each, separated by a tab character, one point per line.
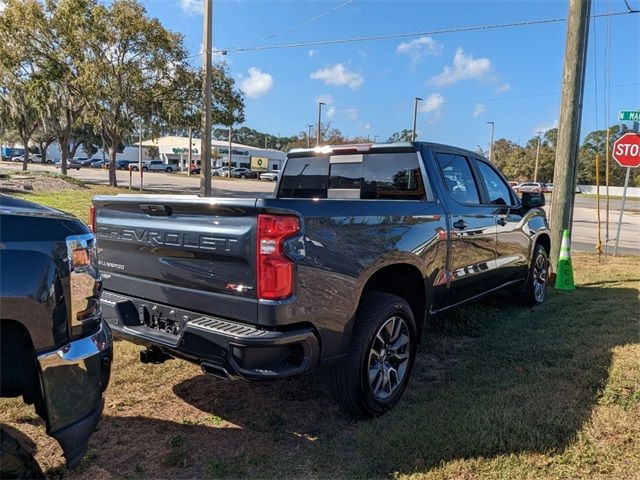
452	102
525	23
306	22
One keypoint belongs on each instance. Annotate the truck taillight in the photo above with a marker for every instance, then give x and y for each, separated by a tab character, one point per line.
92	218
275	269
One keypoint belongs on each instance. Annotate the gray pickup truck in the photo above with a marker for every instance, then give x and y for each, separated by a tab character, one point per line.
341	267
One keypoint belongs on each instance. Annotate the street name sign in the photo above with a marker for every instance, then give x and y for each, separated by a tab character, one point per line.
629	115
626	150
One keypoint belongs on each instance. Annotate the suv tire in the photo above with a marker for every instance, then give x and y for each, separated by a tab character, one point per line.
537	281
372	377
168	169
15	460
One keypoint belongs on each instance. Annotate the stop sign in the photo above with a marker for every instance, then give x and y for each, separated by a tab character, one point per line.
626	150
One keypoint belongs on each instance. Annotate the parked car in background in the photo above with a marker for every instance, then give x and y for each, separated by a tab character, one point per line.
530	187
124	164
33	158
8	153
548	188
96	163
513	184
155	166
217	172
359	246
243	173
272	176
72	163
55	349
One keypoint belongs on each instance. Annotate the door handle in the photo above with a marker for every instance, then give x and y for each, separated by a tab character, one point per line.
460	224
502	221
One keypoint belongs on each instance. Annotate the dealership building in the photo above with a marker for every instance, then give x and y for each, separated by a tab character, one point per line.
175	151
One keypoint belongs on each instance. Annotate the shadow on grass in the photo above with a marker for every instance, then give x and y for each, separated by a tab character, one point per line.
494	379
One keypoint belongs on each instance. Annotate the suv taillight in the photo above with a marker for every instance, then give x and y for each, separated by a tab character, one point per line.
274	268
92	218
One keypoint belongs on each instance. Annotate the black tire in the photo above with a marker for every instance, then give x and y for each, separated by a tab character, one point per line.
243	176
350	380
145	169
15	460
535	290
168	170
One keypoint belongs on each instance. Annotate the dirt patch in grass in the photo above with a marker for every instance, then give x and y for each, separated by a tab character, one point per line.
21	183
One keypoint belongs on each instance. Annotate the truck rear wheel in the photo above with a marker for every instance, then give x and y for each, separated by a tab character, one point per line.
376	370
15	460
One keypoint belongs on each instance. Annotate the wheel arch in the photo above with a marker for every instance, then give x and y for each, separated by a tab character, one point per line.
404	280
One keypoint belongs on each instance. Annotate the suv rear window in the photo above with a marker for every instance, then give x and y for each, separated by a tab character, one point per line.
382	176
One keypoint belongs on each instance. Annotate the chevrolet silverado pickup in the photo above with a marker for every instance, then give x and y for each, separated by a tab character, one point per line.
341	267
55	349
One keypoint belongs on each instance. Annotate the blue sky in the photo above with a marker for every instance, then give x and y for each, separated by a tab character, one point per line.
511	76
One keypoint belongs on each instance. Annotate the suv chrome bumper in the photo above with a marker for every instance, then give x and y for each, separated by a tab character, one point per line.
74	378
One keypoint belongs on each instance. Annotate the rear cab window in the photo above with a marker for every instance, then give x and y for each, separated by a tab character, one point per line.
368	176
458	178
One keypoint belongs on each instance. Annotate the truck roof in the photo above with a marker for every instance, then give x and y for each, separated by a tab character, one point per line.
374	148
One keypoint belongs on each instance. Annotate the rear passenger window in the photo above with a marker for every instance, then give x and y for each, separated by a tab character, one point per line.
458	178
496	188
392	176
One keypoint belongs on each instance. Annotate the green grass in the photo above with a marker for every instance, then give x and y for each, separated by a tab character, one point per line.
498	392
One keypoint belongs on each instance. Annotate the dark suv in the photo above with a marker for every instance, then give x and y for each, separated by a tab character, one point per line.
55	349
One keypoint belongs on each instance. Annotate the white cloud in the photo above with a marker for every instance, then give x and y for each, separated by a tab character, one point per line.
192	7
464	67
312	53
364	126
419	48
433	103
543	127
504	87
257	83
479	110
338	75
331	111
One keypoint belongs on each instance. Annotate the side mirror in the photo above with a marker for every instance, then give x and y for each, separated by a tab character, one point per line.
532	200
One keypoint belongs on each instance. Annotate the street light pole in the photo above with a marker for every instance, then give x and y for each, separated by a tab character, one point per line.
493	126
415	115
309	135
535	170
318	133
205	139
375	138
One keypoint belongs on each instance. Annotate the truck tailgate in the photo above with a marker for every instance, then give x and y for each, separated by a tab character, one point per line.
189	252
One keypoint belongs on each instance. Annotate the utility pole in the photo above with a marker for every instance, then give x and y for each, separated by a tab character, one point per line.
564	178
140	152
535	170
493	127
319	133
309	135
205	139
375	138
190	159
415	115
230	149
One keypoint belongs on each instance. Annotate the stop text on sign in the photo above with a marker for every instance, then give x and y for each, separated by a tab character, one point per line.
633	150
626	150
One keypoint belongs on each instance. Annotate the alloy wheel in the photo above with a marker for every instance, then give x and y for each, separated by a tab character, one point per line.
389	357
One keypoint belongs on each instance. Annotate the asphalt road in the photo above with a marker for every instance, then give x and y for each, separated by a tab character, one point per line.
584	224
